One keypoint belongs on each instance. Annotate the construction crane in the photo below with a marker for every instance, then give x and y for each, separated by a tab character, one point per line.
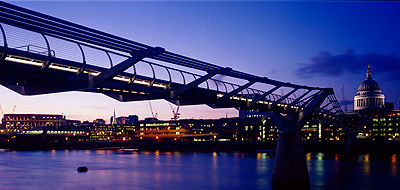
176	113
397	101
2	113
151	109
343	99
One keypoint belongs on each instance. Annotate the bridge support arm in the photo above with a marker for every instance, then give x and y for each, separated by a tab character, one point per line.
326	105
255	100
308	111
124	65
179	91
235	91
307	100
299	98
283	97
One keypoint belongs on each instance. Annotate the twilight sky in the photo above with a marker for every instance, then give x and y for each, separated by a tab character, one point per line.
312	43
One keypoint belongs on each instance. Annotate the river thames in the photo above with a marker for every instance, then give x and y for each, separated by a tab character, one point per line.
185	170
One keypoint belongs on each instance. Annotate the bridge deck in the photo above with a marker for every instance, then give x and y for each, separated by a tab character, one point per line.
22	72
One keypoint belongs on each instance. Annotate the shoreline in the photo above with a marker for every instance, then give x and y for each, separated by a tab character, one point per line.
361	148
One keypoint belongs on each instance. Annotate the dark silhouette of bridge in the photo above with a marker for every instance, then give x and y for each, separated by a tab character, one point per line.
99	62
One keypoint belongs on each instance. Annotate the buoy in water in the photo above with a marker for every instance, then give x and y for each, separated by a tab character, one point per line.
82	169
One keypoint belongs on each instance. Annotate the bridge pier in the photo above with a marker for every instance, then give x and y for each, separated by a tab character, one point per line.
351	146
290	166
351	143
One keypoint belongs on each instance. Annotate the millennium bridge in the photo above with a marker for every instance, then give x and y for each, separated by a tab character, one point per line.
41	54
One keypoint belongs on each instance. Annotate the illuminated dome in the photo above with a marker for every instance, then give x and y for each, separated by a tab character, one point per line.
369	94
369	84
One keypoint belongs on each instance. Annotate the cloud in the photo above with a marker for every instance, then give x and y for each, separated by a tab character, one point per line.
387	66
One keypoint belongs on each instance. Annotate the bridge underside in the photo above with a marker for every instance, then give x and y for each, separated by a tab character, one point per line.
23	73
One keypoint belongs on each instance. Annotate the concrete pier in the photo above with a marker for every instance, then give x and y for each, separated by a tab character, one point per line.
290	166
351	145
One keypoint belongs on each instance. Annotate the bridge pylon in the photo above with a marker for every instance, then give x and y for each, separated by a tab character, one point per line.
351	144
290	166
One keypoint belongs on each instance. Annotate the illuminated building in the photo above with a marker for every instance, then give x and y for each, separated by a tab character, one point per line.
29	121
233	129
328	132
249	129
99	122
384	126
379	121
244	113
113	120
313	131
73	123
170	130
369	95
130	120
110	132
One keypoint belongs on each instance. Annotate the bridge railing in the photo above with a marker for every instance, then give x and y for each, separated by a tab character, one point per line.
71	50
70	41
112	57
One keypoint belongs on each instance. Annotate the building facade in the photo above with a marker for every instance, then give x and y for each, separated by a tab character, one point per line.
130	120
30	121
383	126
369	95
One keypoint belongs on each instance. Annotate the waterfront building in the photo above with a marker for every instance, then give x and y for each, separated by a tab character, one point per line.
110	132
113	120
171	130
233	129
378	120
251	113
73	123
29	121
313	131
248	129
383	126
130	120
369	95
99	122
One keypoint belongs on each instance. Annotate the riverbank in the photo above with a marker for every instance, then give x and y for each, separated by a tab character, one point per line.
208	146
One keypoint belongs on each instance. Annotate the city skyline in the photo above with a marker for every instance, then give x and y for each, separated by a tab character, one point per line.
265	88
181	27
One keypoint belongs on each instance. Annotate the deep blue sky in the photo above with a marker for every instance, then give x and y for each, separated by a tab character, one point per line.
273	39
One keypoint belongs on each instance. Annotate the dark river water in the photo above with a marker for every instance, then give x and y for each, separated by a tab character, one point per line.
178	170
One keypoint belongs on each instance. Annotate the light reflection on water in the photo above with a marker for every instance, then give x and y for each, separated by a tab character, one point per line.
394	165
179	170
366	165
